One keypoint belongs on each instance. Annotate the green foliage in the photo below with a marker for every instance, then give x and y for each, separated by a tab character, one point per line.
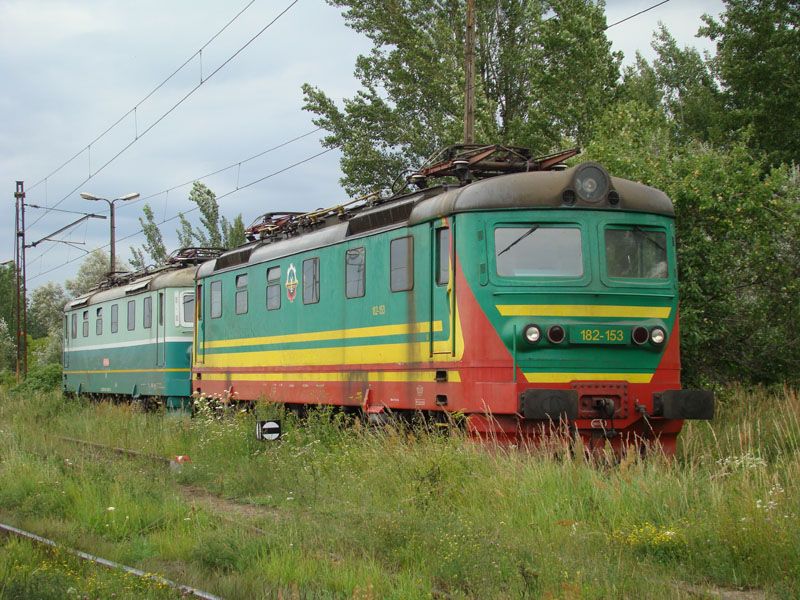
7	347
758	45
8	293
682	83
153	252
411	102
217	232
46	311
41	378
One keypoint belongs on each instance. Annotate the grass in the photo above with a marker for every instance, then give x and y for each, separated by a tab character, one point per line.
336	509
28	571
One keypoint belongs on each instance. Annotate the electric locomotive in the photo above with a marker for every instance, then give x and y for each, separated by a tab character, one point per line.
130	337
527	297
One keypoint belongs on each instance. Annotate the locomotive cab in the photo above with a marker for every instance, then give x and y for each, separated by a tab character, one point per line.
578	278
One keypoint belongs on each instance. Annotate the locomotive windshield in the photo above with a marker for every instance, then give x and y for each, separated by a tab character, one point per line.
636	253
538	251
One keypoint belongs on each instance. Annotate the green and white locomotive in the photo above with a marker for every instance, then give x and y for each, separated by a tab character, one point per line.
131	337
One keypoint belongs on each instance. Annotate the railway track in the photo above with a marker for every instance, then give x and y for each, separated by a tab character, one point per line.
185	590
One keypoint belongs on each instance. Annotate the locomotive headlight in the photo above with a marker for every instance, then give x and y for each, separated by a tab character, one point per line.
591	183
532	333
657	335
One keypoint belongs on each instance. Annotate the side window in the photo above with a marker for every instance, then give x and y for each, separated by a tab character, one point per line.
355	272
86	323
241	294
216	299
114	318
131	315
98	324
74	325
311	281
147	312
443	256
187	309
160	308
401	264
273	288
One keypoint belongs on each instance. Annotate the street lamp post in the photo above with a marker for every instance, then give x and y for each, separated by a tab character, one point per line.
87	196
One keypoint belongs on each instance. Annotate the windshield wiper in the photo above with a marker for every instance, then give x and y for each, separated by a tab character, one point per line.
519	239
647	237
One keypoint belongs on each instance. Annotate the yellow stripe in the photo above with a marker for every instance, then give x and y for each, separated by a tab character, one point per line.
333	334
583	310
569	377
339	376
415	352
71	372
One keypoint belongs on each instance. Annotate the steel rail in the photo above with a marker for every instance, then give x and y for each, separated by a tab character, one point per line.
109	564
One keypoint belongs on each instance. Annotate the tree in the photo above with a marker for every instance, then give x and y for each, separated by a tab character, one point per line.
539	81
758	57
682	83
153	250
8	294
7	347
46	310
217	232
92	271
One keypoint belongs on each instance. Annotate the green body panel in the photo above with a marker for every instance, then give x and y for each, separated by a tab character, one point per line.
378	307
594	288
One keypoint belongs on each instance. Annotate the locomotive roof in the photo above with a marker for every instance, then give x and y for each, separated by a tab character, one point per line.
517	191
183	277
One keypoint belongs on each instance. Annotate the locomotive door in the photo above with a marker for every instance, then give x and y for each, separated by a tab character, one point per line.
199	326
161	345
442	287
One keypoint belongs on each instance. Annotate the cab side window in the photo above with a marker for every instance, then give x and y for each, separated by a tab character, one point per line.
216	299
131	315
311	281
401	264
273	288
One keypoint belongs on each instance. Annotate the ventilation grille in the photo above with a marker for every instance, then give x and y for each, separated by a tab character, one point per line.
233	258
380	218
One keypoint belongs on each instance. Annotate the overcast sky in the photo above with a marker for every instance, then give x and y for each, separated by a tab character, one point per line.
70	68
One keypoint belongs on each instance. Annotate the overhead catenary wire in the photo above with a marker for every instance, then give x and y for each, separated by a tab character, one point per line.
223	169
143	100
200	177
191	210
174	106
629	17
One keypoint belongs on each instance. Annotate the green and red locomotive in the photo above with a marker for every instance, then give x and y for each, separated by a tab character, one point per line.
527	300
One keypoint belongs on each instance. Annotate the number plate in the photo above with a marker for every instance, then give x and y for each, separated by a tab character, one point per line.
598	335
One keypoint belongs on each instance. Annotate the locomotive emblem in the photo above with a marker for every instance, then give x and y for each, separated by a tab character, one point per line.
291	283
